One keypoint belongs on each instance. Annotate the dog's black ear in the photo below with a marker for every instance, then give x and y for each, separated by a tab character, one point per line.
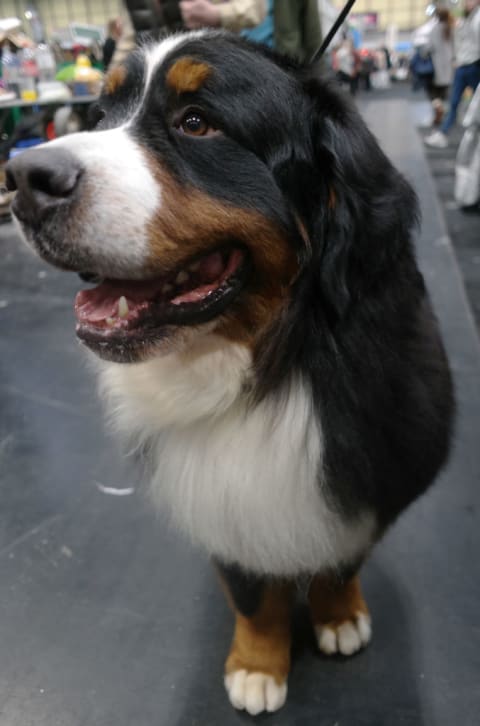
356	210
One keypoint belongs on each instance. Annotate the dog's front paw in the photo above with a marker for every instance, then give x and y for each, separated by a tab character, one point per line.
346	638
255	692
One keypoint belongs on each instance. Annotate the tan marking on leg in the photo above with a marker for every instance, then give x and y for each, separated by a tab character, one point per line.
262	642
334	602
257	666
340	615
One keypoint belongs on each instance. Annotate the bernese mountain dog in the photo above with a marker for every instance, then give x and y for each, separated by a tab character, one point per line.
261	328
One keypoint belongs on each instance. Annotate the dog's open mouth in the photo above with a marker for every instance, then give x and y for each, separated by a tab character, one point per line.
130	313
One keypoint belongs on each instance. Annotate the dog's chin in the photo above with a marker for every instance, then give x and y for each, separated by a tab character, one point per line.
129	321
162	342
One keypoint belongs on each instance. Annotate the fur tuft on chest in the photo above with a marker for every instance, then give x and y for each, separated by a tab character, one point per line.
244	481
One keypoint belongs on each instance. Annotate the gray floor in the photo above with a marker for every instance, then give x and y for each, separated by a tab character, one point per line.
463	224
108	619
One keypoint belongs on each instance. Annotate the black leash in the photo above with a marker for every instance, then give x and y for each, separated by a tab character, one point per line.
333	31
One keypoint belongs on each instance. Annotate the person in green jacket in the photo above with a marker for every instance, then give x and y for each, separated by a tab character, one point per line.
297	28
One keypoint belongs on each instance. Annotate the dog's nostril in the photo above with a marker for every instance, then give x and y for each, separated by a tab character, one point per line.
56	182
43	176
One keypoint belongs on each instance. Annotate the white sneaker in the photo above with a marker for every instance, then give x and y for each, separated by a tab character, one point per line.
437	140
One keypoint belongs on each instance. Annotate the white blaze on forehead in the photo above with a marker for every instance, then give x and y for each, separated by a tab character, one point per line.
121	195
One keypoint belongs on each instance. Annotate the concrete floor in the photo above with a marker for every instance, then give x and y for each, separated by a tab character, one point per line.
109	619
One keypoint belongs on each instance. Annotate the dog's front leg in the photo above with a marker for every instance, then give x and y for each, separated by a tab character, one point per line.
257	666
340	615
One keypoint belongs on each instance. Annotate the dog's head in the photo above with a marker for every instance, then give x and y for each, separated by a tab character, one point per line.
218	179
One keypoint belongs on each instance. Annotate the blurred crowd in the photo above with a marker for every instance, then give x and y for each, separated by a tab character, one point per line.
366	68
290	26
447	63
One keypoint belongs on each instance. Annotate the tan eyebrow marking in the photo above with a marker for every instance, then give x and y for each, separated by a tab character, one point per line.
187	75
115	78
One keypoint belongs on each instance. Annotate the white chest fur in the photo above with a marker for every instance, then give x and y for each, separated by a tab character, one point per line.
243	482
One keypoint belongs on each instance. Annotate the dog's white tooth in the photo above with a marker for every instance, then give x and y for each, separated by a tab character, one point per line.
122	307
110	321
182	277
194	266
166	289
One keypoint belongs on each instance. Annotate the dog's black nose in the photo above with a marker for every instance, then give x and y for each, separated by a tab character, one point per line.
43	178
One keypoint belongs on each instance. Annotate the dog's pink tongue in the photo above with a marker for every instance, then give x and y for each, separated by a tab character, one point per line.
102	302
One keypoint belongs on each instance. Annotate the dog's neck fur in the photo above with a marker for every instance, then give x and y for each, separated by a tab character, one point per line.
222	466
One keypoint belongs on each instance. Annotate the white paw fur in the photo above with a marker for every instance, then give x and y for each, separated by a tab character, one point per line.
255	692
347	638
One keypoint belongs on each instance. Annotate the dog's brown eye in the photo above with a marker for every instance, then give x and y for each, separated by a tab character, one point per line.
194	124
